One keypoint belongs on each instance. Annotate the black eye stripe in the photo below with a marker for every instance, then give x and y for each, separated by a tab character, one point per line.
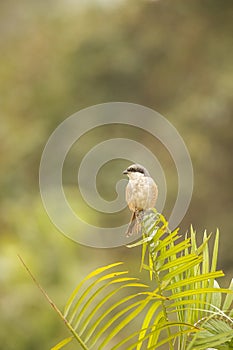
140	171
133	170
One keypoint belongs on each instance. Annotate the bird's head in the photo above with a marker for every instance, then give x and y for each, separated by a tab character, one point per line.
135	171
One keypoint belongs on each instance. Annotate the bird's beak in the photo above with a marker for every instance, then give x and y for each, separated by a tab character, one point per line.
125	172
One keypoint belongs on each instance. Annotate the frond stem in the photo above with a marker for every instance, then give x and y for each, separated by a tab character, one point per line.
68	325
158	282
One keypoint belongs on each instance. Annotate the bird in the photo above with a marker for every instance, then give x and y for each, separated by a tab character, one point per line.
141	194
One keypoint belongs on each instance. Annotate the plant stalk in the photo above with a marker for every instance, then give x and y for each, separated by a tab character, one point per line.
68	325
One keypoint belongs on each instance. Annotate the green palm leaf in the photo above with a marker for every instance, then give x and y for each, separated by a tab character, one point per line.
104	300
61	344
106	324
146	323
185	308
92	274
229	298
184	271
90	293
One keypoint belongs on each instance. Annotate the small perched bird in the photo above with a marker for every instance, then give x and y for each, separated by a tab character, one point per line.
141	194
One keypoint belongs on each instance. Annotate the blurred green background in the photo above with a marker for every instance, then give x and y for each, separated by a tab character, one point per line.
58	57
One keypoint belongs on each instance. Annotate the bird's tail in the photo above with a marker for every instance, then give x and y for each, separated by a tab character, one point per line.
134	224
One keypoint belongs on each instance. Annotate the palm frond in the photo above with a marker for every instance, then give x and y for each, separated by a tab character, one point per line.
186	308
184	272
89	307
216	330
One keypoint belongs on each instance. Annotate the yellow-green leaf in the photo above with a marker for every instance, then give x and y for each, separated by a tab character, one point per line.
62	343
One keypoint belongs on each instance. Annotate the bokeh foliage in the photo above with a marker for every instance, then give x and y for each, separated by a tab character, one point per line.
59	57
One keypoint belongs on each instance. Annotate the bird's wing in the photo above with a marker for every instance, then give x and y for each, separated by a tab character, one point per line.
129	193
153	191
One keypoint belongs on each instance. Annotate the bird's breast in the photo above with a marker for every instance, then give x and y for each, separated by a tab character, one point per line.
141	194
